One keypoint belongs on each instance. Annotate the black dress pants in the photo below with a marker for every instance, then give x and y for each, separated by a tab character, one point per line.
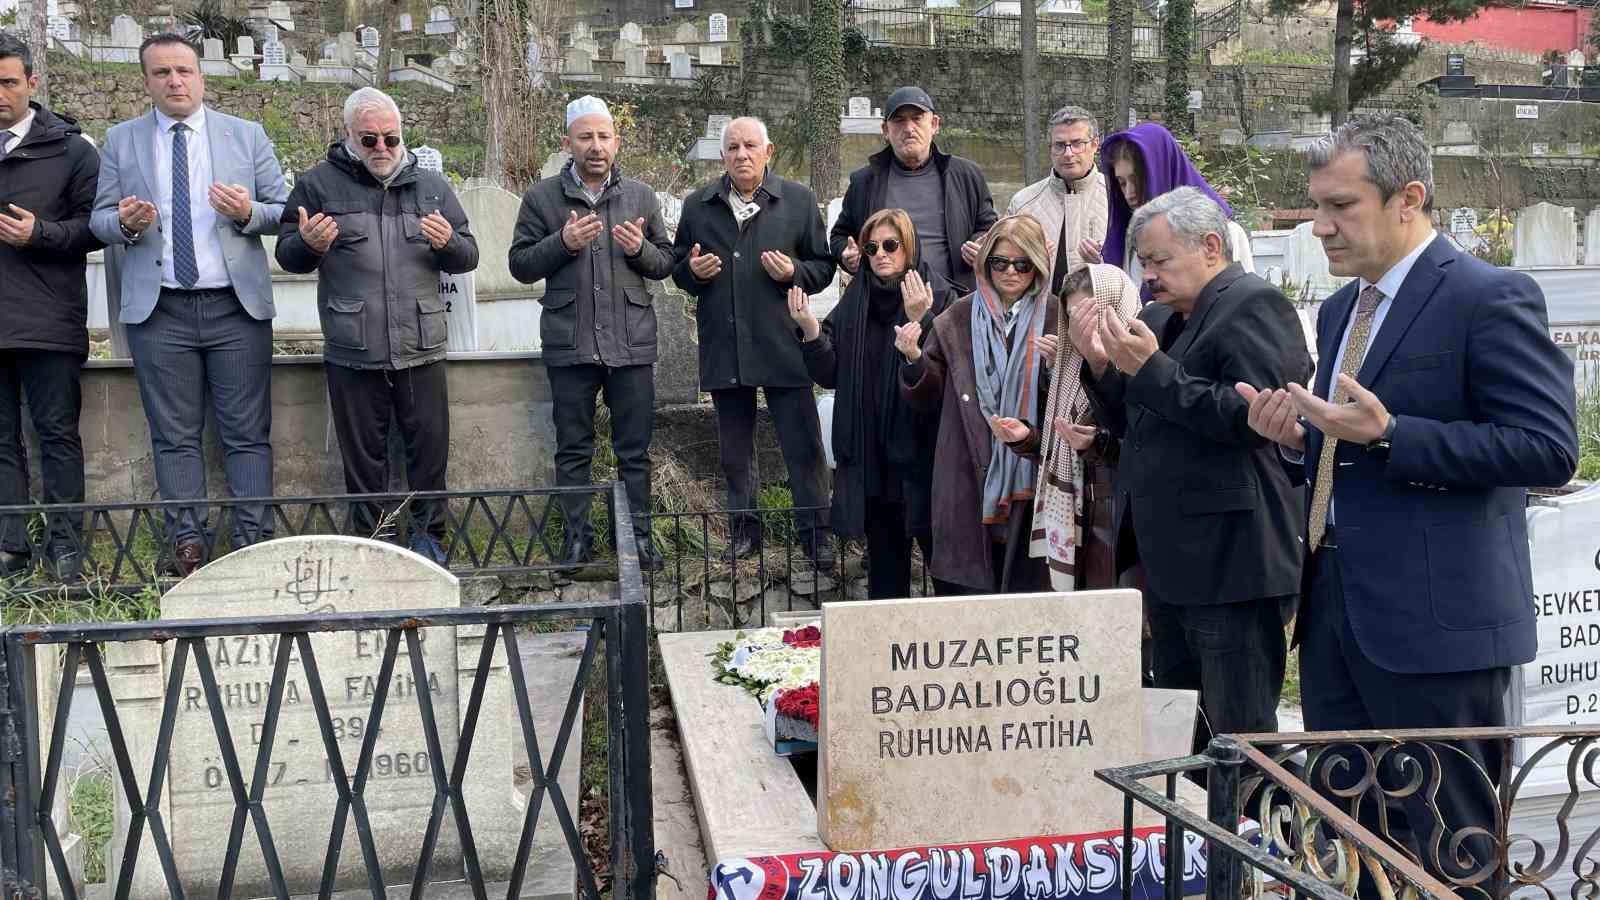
794	414
363	401
49	379
630	394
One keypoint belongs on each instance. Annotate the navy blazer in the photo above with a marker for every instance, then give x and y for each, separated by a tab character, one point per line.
1433	544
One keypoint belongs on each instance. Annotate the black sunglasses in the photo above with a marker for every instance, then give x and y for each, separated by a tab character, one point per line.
389	140
889	246
1002	263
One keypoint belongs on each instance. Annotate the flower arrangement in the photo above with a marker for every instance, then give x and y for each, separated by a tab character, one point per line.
779	667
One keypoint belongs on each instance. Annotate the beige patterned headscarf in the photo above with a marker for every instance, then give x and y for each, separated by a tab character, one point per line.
1058	498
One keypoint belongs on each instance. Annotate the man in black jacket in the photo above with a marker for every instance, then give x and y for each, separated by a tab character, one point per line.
594	237
48	175
1201	498
744	239
946	196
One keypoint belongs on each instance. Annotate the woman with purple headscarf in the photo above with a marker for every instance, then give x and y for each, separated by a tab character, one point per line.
1145	162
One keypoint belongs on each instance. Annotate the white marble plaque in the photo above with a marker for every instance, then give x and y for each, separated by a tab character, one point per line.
680	66
717	29
1545	235
125	32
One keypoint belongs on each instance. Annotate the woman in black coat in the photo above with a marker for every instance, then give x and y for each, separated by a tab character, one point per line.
882	448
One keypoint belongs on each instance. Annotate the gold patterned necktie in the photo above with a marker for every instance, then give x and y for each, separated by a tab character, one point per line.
1354	352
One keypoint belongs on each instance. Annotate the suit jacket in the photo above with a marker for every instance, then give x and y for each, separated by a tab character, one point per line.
1433	544
1214	515
240	154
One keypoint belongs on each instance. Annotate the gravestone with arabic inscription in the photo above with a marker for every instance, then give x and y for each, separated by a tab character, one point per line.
317	575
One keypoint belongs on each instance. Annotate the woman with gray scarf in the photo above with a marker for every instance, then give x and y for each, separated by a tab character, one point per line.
984	370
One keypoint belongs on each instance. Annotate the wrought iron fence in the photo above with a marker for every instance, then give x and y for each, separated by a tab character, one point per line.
1403	813
31	774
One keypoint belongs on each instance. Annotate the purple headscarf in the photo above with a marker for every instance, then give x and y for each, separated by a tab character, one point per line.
1165	169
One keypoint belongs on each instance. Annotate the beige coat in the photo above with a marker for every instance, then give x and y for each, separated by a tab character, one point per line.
1083	208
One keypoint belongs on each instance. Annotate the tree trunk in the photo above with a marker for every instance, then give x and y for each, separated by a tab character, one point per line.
1119	71
1030	92
39	43
1178	35
826	62
389	14
1343	32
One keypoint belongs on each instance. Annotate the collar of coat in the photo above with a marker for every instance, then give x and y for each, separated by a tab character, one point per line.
769	186
1076	186
569	181
885	157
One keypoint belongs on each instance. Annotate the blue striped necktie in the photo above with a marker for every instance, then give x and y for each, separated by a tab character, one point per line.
183	263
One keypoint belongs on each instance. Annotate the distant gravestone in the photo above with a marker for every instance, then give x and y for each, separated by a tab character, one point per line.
1574	148
439	21
307	575
620	48
1457	133
1231	137
369	38
245	46
212	48
931	704
589	46
404	27
1591	238
444	67
298	61
553	164
429	159
687	33
710	56
632	33
679	66
858	107
330	50
1306	263
1538	148
579	62
269	33
715	124
717	29
125	32
1545	235
1464	228
345	48
668	49
59	28
633	63
278	11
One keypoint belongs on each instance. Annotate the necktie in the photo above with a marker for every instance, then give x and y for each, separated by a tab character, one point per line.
1354	352
183	264
5	138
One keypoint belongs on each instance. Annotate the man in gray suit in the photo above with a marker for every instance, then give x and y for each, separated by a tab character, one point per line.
189	191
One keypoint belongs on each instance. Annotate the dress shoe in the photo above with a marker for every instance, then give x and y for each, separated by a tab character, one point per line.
14	563
575	554
67	565
191	555
741	546
649	558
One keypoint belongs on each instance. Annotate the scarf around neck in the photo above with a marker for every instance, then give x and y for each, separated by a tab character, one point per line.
1007	375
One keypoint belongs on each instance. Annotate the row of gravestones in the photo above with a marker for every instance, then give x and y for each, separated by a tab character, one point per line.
580	61
687	33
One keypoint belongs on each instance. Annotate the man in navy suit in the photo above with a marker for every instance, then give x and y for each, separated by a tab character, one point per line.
1439	399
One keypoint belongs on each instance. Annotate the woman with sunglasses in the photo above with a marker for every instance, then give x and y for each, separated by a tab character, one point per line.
882	448
983	370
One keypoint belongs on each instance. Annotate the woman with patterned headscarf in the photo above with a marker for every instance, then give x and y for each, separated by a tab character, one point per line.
983	370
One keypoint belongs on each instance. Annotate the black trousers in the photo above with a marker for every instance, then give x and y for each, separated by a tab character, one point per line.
889	550
363	402
49	378
1344	690
794	414
630	394
1232	653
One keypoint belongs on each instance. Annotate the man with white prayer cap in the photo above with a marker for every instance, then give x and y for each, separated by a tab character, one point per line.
595	236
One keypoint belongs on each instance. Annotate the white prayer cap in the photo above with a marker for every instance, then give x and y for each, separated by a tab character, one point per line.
587	105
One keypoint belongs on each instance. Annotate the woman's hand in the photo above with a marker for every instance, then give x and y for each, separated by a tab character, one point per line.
1089	251
908	340
800	312
917	295
1078	437
1007	429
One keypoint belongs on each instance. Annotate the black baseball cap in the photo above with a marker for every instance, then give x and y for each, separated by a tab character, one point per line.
908	96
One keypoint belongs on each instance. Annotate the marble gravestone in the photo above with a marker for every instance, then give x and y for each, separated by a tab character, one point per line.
579	62
404	26
1591	238
1463	227
710	56
212	48
687	33
309	575
858	107
717	28
457	291
633	62
1306	264
125	32
369	38
941	725
1545	235
680	67
632	33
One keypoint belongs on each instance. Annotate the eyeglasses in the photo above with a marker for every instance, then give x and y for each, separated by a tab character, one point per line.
1002	263
389	140
889	246
1062	148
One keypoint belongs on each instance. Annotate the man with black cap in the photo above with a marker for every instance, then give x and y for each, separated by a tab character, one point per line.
946	196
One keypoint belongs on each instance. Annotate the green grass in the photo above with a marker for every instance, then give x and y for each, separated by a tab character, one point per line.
89	806
1589	431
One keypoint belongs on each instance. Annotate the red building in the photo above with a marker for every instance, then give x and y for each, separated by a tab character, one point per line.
1533	28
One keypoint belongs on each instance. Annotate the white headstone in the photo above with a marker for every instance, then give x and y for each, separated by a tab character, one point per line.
710	56
715	124
1591	238
429	159
551	168
632	33
299	61
589	46
633	62
1457	132
1575	59
620	48
858	107
246	45
269	32
717	30
680	66
1545	235
1574	148
443	66
1463	227
1306	263
278	11
1538	148
330	50
125	32
404	26
579	62
580	30
457	58
368	37
687	33
439	14
492	210
59	28
212	48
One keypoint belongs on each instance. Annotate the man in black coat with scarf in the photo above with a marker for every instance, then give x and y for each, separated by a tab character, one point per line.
742	242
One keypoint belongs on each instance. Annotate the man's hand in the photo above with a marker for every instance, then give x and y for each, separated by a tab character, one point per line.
907	339
1078	437
1130	346
1007	429
629	236
16	226
437	229
800	312
1089	251
1048	345
969	251
1362	420
778	265
135	215
704	266
578	232
850	257
231	200
1083	330
318	231
916	296
1273	416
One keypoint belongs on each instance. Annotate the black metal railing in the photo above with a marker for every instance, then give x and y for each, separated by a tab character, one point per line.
31	774
1402	813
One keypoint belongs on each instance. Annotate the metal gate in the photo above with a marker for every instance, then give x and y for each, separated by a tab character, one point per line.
618	638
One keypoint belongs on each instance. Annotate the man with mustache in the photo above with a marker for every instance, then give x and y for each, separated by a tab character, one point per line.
946	196
378	231
594	237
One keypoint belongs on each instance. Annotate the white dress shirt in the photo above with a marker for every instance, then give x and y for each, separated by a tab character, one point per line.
203	219
17	132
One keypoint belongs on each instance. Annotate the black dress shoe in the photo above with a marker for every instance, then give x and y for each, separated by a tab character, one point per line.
67	565
649	558
740	547
191	555
575	554
14	563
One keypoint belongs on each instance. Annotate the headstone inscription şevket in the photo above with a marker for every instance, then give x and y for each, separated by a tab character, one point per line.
928	704
314	575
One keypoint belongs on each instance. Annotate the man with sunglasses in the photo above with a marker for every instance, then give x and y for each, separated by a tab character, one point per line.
946	196
378	231
1070	202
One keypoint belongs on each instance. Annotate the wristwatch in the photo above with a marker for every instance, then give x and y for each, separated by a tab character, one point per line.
1379	449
